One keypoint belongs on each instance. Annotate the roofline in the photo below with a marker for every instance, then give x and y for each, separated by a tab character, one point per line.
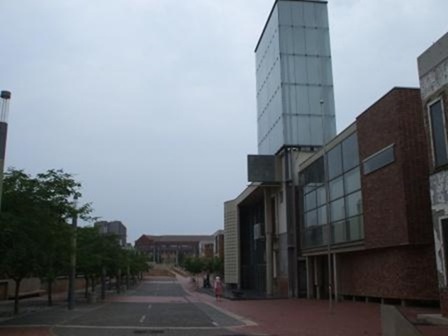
272	10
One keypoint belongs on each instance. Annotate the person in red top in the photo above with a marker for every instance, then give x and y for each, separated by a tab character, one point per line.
218	288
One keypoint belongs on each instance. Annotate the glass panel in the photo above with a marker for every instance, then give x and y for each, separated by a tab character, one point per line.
322	215
350	152
314	174
352	181
356	228
337	210
354	204
336	188
438	134
310	201
321	196
311	218
334	162
379	160
339	232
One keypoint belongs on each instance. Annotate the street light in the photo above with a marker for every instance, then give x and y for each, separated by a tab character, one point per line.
5	96
72	273
327	205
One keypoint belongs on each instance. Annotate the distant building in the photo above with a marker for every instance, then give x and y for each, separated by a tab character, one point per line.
433	73
218	244
173	249
115	227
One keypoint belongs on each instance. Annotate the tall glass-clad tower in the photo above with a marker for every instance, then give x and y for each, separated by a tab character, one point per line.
295	99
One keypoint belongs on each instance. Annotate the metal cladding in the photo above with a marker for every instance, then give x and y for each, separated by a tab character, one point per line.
295	98
5	95
3	134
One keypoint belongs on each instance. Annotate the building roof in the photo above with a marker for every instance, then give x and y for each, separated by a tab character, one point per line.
272	10
179	238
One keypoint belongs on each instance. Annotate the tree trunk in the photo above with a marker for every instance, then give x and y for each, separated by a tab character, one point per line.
127	277
16	296
50	291
86	289
103	283
119	281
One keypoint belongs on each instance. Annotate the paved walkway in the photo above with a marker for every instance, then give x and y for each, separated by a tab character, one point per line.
281	317
291	317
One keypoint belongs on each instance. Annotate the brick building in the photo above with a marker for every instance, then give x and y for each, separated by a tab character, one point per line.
113	227
433	73
173	249
379	209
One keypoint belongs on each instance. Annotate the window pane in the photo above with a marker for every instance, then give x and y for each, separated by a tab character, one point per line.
314	174
354	204
322	215
356	229
334	162
311	218
321	197
339	232
336	188
350	152
337	210
379	160
352	181
310	200
438	134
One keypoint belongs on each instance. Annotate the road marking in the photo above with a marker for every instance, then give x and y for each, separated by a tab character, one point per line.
215	324
142	319
149	306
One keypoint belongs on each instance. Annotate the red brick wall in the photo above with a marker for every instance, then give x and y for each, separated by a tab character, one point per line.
406	272
396	200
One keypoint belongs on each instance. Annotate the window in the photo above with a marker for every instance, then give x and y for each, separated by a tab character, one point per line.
336	188
310	201
350	152
379	160
337	210
334	162
438	133
352	181
353	204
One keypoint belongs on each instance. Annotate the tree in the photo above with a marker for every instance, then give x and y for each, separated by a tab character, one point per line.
33	224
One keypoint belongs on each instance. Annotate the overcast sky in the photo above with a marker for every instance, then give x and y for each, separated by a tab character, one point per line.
151	103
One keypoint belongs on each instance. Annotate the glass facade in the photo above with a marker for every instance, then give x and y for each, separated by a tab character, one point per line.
294	75
345	197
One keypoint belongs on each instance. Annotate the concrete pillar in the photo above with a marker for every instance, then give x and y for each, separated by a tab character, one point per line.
335	278
309	279
268	233
316	279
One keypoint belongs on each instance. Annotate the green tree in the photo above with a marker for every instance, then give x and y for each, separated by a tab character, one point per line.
33	225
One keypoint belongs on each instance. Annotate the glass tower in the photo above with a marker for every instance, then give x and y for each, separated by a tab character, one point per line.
295	100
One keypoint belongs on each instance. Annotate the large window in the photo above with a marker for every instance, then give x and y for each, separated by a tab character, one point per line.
379	160
438	133
344	206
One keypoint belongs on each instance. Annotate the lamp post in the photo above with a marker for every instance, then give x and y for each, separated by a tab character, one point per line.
5	96
72	274
328	208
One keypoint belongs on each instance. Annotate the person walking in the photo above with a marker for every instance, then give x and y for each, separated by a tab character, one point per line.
218	288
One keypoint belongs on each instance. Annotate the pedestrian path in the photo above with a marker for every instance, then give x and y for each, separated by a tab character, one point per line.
291	317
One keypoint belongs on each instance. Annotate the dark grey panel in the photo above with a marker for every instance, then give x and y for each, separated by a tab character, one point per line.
261	168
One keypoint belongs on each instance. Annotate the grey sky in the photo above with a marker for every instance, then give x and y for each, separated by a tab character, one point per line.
151	103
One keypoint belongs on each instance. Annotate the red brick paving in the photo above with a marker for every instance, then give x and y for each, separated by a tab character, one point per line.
25	332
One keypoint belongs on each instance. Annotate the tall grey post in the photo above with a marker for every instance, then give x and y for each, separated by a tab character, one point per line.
5	97
71	299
